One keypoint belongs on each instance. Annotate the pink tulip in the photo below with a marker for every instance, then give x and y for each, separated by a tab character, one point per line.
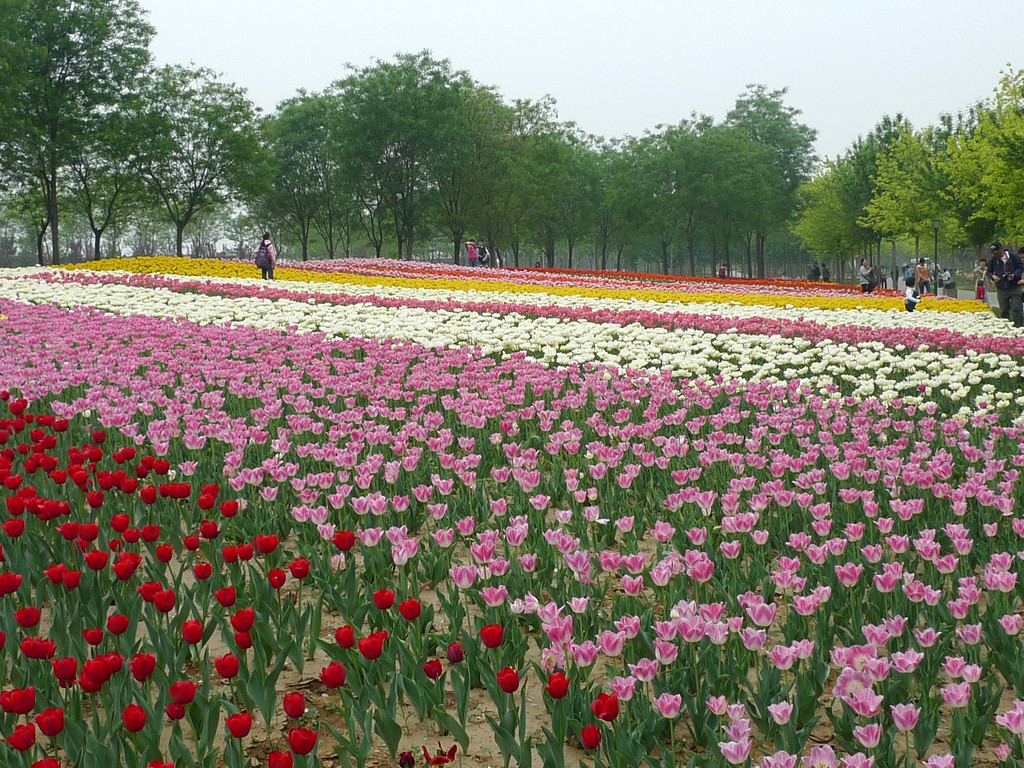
668	704
905	716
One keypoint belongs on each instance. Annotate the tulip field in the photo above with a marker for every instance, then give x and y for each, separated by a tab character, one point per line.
383	513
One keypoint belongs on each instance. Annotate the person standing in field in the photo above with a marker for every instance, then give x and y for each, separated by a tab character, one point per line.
864	274
266	257
1005	270
924	278
471	254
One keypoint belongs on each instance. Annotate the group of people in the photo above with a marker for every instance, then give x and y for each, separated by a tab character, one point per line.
819	272
477	255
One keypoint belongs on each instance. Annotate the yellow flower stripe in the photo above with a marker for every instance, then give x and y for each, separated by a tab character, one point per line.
171	265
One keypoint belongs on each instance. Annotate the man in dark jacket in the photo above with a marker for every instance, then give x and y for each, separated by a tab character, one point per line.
1005	270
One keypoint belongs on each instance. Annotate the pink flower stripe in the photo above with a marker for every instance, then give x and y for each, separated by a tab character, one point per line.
609	280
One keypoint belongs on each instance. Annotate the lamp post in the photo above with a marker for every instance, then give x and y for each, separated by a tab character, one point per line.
935	261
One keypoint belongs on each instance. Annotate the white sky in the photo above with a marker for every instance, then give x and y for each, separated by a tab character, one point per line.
620	67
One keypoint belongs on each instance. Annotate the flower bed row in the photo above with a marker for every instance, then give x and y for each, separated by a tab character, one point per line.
465	280
960	383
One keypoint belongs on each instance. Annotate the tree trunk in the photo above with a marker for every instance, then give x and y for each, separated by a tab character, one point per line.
693	256
457	252
52	214
179	238
97	234
618	259
714	257
728	261
664	257
749	271
760	255
40	239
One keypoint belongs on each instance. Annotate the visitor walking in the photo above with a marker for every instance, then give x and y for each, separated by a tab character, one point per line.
978	275
266	257
1005	269
924	278
826	273
471	254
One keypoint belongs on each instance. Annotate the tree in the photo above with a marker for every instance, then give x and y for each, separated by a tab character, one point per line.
198	143
768	121
395	122
65	62
106	188
300	159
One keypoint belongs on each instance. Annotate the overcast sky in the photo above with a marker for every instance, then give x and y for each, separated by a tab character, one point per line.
621	67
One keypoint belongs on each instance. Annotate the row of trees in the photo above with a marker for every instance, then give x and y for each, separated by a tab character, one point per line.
396	157
408	156
961	181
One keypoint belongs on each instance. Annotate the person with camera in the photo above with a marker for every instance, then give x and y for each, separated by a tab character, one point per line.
1005	270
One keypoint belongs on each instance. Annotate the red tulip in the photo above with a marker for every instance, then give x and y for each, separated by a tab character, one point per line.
410	609
433	669
239	724
9	583
50	721
27	616
209	530
191	542
164	600
492	635
299	568
590	737
96	559
229	508
243	619
117	624
226	665
142	666
558	685
605	707
174	711
278	759
294	705
442	757
183	692
148	494
202	571
37	648
94	499
192	631
134	718
344	540
345	636
455	653
225	596
508	680
383	599
333	675
18	701
276	577
302	740
23	737
243	640
265	543
65	670
372	646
